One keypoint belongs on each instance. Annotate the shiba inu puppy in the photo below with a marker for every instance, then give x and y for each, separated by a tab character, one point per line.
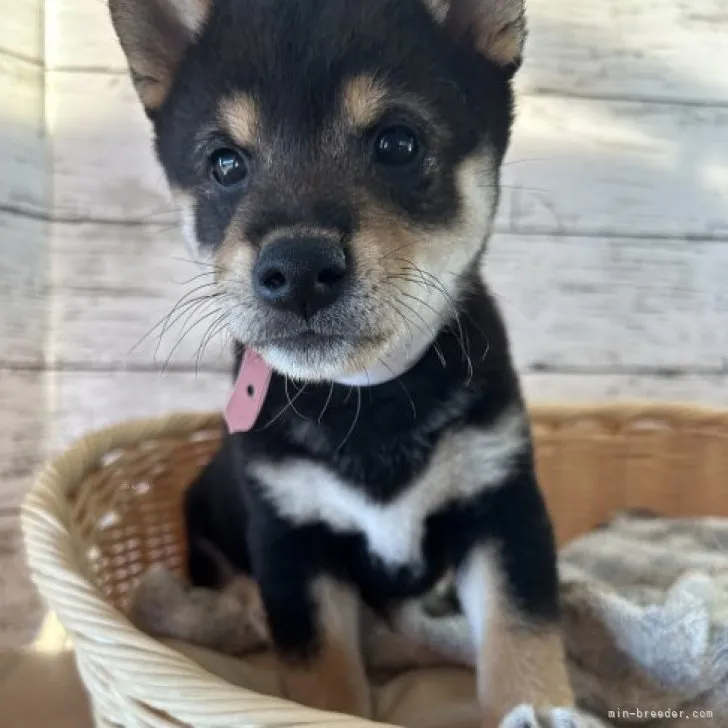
337	166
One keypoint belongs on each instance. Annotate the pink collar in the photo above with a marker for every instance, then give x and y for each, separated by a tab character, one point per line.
246	401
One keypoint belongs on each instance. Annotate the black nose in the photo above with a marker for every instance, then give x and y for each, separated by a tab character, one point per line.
302	275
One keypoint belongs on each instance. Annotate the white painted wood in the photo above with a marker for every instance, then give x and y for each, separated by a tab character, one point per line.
573	303
21	29
22	151
103	166
113	285
617	168
651	49
23	289
99	49
576	165
613	303
23	404
86	401
654	49
702	389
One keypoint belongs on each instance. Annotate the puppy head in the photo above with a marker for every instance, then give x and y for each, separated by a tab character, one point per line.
336	161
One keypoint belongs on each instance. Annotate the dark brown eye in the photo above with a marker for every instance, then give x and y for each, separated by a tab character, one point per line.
396	146
228	167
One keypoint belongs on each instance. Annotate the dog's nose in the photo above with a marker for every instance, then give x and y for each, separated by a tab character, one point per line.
302	275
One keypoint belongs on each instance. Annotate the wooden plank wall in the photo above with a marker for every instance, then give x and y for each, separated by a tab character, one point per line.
24	246
610	257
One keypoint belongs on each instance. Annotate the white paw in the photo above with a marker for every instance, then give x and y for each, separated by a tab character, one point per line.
526	716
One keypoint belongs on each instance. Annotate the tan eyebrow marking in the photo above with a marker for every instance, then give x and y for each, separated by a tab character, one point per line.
363	100
240	119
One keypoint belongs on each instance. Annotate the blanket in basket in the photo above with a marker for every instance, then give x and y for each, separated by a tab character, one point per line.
645	618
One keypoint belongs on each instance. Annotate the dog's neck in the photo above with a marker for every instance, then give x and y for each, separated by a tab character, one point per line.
470	352
396	363
254	377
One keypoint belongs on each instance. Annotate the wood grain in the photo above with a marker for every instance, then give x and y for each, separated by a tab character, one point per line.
85	401
21	30
640	49
616	168
613	303
23	171
23	445
24	262
652	49
103	167
709	390
575	166
113	289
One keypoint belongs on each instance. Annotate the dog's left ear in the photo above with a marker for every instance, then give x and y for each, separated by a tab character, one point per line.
497	28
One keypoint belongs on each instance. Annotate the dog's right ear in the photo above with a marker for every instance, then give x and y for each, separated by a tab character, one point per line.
155	35
495	28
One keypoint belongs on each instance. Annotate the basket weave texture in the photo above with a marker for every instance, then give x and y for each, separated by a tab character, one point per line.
110	506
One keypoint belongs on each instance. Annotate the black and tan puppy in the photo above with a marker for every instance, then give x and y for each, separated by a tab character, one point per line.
337	164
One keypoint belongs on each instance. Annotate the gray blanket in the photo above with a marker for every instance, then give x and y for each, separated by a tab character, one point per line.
645	618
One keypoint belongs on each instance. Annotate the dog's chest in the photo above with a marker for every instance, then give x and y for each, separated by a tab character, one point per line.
306	492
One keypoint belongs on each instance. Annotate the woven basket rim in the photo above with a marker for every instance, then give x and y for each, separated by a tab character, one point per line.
139	661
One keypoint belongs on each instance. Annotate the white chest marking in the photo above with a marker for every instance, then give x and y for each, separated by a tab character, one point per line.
462	466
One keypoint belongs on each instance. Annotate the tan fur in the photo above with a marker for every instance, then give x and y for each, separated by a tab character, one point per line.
302	232
516	661
154	35
239	118
406	276
363	100
498	26
413	273
334	679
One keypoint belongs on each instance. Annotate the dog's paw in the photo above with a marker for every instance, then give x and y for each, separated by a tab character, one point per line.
526	716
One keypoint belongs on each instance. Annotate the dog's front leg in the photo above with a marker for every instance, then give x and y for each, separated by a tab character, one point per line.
519	656
314	627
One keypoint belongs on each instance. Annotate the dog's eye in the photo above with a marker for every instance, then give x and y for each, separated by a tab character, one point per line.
396	146
228	167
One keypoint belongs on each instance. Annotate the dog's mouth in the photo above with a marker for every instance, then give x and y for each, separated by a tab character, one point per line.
313	355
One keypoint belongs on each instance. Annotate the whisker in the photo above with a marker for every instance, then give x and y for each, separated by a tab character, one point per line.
326	403
166	317
298	394
354	423
217	325
184	335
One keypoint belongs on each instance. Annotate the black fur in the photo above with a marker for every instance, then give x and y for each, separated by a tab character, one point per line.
467	103
293	59
379	439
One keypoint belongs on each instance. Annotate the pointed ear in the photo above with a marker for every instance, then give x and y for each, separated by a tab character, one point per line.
154	35
497	28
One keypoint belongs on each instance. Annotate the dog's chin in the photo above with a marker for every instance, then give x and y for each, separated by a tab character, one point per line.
313	357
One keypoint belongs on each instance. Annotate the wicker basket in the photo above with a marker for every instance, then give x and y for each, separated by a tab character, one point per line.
110	506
